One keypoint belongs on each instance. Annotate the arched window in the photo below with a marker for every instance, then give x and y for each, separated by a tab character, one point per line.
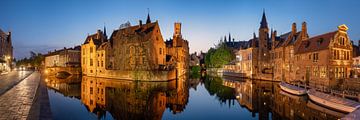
132	55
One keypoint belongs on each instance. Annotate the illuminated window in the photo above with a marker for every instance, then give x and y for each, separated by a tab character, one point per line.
322	72
91	90
315	71
91	49
315	57
91	62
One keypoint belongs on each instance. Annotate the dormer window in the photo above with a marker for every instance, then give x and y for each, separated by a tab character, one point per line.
307	44
321	40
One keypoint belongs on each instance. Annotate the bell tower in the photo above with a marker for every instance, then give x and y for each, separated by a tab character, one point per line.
177	34
263	56
177	29
263	38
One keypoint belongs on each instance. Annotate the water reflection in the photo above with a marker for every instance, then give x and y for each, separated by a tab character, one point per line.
127	100
69	87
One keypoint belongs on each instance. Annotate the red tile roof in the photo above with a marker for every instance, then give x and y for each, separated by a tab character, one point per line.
316	43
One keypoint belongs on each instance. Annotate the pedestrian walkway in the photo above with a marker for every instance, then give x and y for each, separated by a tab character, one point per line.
16	102
11	79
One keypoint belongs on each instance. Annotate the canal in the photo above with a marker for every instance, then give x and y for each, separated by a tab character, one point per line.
199	97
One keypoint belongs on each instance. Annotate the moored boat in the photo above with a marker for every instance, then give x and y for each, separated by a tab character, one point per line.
292	89
333	102
326	110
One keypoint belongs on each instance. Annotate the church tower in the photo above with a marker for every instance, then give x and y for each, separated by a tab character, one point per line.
148	20
264	47
263	38
177	34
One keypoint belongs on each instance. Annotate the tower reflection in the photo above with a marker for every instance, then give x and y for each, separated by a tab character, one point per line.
127	100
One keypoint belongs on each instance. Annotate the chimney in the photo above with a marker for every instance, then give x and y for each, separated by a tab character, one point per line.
293	28
140	23
275	33
304	34
98	33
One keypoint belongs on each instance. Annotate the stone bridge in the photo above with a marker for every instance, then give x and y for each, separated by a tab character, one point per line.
70	70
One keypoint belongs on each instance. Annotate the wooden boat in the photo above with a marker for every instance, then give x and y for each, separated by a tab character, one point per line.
292	96
354	115
333	102
292	89
326	110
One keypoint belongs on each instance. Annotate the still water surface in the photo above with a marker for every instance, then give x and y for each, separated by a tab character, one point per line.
204	97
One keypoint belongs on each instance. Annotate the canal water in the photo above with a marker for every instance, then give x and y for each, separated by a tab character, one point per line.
199	97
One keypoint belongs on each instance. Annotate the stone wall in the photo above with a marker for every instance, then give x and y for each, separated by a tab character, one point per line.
137	75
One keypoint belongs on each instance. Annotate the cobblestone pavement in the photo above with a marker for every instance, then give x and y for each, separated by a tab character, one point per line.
40	109
7	81
16	102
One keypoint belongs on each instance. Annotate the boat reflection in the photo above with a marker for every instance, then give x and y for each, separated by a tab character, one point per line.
265	98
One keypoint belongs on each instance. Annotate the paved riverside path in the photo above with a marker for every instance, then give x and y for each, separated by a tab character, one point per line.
17	101
9	80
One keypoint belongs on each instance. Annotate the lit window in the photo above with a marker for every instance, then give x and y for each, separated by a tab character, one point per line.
91	90
322	72
91	62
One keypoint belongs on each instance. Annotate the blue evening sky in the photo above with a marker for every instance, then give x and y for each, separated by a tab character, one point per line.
42	25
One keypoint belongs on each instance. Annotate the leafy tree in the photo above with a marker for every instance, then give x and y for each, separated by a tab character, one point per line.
216	58
35	60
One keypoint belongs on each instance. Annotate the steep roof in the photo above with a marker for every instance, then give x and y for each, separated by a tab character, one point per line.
284	40
97	38
143	30
263	23
103	46
316	43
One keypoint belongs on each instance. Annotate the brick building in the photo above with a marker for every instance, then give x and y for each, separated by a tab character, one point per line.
6	51
320	61
139	48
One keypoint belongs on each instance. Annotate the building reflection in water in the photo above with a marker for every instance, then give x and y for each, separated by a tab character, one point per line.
148	100
69	87
127	100
270	102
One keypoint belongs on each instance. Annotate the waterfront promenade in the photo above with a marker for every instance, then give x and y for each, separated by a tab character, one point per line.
19	90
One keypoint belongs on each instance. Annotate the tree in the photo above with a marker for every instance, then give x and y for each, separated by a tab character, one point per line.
216	58
34	60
